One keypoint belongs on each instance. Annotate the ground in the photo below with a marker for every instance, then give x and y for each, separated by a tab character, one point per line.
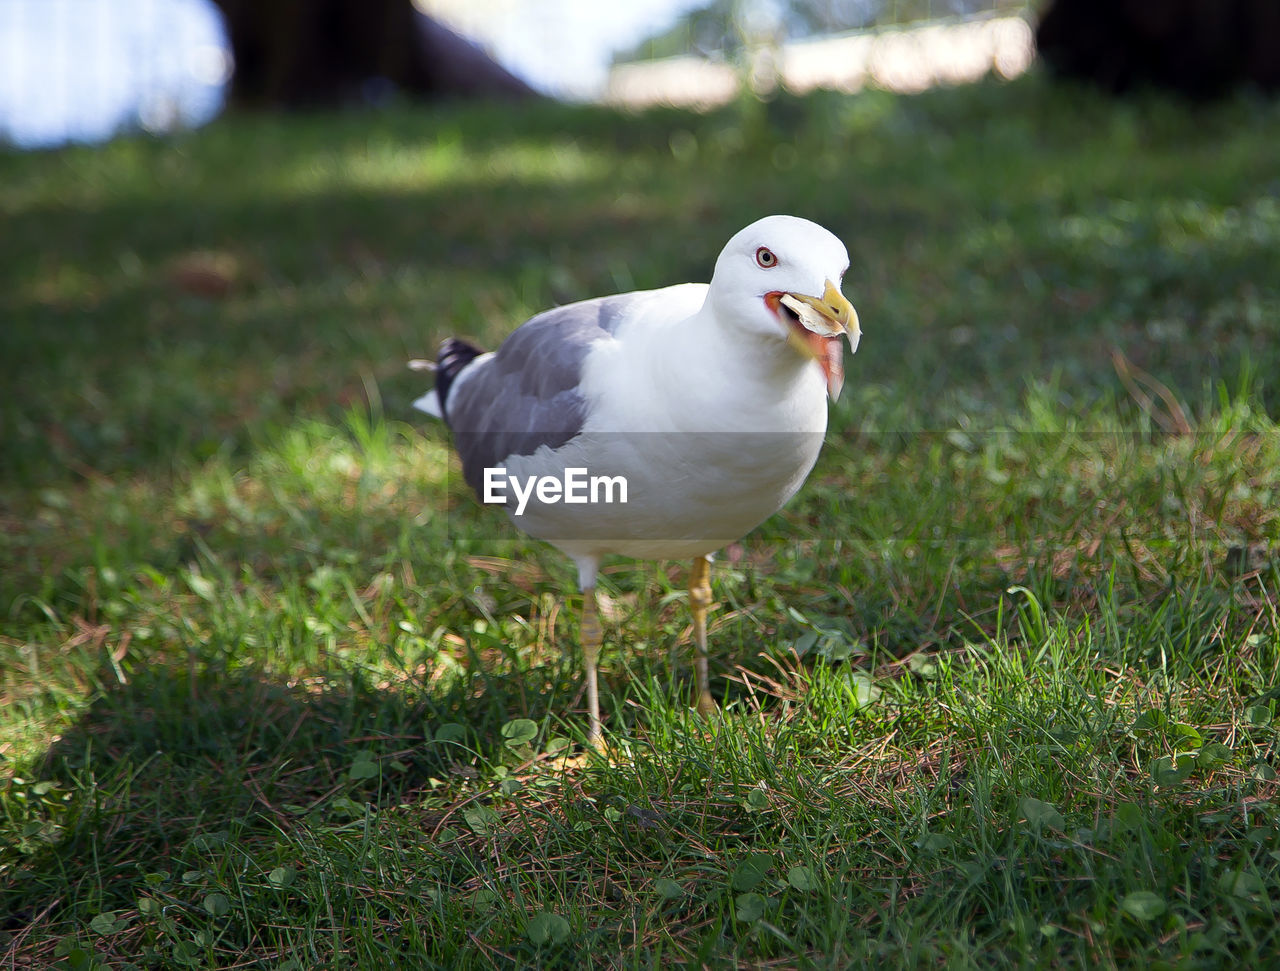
998	687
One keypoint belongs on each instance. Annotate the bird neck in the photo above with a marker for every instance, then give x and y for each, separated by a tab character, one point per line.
753	377
764	357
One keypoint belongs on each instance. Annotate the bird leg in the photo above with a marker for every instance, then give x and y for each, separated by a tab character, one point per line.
591	638
699	602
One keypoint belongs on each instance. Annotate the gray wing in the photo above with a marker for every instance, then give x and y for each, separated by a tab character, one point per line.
526	394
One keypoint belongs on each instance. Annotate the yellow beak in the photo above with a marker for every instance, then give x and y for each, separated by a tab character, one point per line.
815	327
832	307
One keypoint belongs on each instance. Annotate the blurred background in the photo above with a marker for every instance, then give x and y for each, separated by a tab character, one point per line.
83	70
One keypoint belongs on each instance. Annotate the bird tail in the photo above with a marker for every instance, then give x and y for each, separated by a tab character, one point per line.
455	354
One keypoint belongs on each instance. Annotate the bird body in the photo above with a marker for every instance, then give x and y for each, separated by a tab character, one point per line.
706	402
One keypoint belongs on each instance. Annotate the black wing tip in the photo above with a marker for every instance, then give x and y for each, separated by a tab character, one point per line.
455	354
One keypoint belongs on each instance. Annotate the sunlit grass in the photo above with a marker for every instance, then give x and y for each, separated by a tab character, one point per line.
998	686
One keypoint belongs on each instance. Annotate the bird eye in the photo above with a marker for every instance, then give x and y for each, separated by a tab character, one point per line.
765	257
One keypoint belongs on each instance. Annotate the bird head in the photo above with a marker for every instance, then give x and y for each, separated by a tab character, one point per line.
780	278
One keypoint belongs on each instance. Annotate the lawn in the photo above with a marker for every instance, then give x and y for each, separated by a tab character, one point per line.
999	686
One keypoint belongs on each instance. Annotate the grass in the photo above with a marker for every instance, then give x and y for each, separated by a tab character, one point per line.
999	686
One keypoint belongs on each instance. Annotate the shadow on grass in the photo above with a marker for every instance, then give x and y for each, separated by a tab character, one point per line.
179	758
177	755
174	759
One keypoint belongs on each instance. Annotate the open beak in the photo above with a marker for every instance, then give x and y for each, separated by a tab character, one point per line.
815	326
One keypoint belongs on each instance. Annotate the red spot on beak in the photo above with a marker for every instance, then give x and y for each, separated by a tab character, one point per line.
826	350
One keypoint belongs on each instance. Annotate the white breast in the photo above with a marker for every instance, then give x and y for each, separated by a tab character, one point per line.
711	442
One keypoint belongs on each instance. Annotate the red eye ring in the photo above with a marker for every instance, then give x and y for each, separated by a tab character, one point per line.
766	258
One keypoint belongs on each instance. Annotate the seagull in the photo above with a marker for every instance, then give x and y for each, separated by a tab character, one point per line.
658	424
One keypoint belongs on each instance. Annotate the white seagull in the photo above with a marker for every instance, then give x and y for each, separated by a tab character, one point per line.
658	424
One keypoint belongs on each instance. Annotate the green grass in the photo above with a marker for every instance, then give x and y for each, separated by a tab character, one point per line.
999	686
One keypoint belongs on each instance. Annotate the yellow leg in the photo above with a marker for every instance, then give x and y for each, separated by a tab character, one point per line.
591	639
699	602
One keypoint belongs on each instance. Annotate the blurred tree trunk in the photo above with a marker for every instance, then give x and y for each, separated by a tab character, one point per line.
301	53
1199	48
